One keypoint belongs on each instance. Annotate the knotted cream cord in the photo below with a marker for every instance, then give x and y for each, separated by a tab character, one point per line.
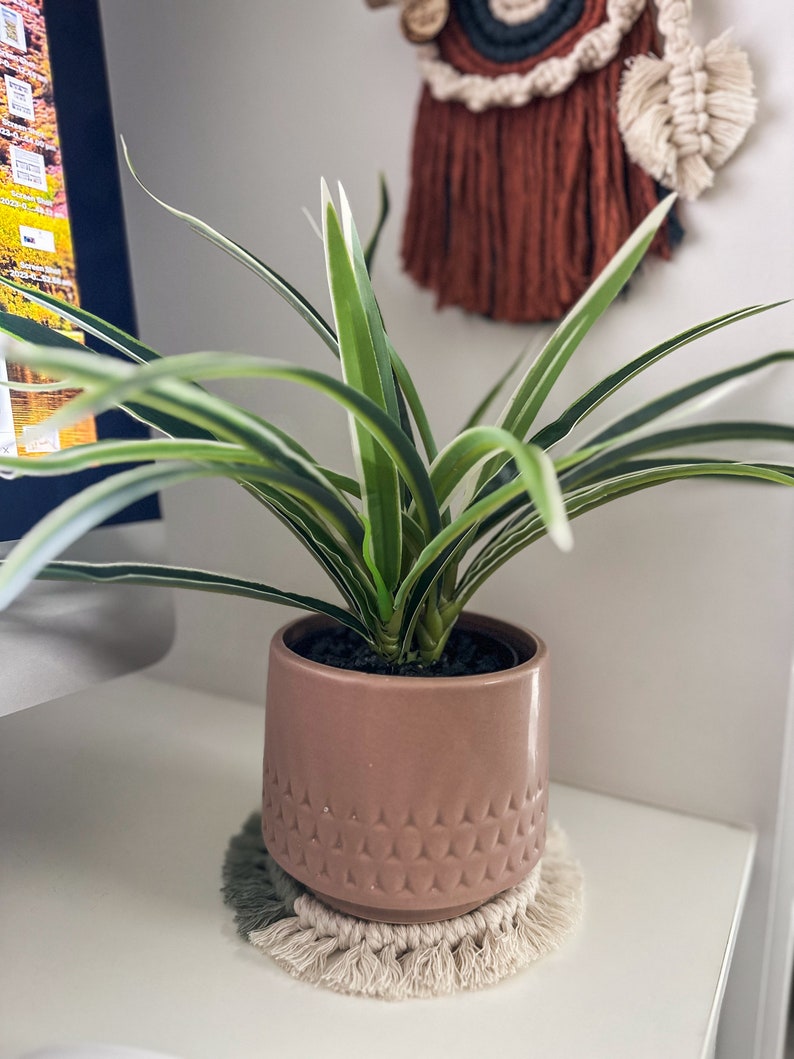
549	78
400	961
496	915
683	116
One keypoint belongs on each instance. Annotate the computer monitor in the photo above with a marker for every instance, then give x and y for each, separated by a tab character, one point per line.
62	230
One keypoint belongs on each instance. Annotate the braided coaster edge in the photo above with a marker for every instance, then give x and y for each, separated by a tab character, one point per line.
316	944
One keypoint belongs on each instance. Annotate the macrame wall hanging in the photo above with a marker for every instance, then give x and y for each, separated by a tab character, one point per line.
546	131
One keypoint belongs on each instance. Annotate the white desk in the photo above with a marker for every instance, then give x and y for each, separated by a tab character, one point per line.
116	809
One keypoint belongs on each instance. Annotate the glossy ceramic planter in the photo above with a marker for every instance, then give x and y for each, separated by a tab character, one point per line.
406	799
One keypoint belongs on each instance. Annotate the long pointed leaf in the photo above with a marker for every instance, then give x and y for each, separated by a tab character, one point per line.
114	336
38	387
480	411
106	453
450	536
392	368
473	447
532	390
414	402
80	513
380	345
380	488
164	390
696	434
293	297
394	398
652	410
527	530
593	461
529	396
38	334
596	395
189	578
191	403
383	213
443	567
338	561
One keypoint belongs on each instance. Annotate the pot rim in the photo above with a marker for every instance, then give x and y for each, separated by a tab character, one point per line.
497	627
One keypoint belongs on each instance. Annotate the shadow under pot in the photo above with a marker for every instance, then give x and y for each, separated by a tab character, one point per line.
406	799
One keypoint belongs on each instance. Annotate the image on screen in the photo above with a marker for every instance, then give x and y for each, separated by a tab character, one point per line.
36	247
61	230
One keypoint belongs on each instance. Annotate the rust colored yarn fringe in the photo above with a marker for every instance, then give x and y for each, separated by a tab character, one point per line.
513	211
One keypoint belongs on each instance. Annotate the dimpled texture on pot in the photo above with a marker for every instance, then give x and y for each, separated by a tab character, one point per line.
404	799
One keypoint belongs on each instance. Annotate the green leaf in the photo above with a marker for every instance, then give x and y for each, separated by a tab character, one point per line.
190	403
413	538
38	334
80	513
163	390
233	462
391	370
525	530
383	213
372	311
414	402
187	577
362	370
696	434
442	568
607	447
114	336
399	388
450	536
335	557
596	395
536	482
342	482
480	411
106	453
37	387
652	410
533	389
293	297
475	446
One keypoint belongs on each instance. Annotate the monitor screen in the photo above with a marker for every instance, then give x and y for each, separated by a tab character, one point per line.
61	226
62	231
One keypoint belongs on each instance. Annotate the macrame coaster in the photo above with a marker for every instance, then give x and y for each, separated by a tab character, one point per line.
395	961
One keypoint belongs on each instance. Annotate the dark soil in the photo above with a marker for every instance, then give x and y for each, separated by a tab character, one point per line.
466	654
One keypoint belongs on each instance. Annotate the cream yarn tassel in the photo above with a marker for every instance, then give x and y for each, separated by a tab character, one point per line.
682	116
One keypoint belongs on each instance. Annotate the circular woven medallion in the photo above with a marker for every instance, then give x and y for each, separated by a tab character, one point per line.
542	57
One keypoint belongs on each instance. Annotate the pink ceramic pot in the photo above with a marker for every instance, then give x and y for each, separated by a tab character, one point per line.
406	799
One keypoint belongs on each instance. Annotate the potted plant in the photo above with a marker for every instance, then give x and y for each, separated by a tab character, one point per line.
406	761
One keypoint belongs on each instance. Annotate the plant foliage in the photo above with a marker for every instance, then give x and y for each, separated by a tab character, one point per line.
411	538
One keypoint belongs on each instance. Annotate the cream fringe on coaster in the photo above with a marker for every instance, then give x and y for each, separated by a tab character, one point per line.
397	961
682	116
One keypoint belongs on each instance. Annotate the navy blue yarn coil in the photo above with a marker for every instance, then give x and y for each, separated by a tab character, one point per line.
499	42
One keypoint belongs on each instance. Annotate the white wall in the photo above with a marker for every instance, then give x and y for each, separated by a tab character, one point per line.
670	625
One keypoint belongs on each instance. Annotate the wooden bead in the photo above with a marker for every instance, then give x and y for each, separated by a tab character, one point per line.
422	20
